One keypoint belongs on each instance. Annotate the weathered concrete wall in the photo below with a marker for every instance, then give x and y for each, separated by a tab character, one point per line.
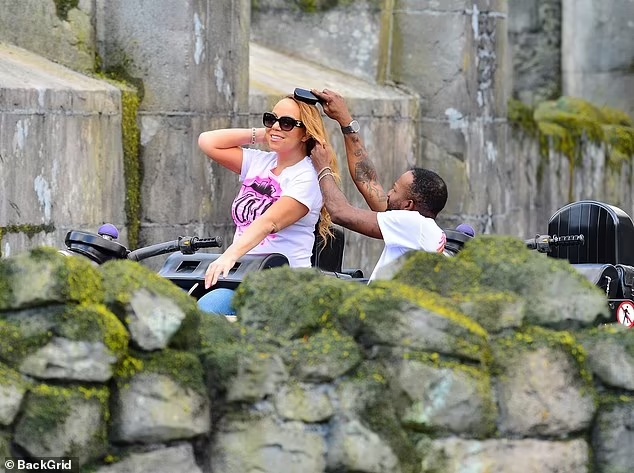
61	162
192	60
64	35
455	56
598	52
347	38
534	28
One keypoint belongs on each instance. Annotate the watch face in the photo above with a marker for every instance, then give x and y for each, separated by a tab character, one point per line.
355	126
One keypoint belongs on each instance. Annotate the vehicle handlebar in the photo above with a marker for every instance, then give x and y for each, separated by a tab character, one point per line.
545	243
186	245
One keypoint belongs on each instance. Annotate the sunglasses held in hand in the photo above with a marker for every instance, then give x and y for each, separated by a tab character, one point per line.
286	123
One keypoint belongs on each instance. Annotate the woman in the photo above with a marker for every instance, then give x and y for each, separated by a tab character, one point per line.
279	203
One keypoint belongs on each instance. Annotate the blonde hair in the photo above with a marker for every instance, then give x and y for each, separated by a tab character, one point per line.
311	117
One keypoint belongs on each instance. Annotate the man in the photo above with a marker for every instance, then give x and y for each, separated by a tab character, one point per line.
404	217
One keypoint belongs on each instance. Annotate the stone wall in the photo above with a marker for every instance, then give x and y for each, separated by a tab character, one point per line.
535	39
489	365
61	158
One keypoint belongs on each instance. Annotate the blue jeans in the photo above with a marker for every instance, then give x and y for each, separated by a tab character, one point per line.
218	302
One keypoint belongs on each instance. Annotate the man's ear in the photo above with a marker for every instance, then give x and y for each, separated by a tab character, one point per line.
408	205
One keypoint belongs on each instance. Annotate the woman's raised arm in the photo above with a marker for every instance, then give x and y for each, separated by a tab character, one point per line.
224	146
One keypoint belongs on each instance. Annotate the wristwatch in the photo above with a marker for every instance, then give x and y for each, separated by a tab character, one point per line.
354	127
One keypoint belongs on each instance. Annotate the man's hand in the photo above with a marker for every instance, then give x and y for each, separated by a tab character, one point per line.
320	156
334	106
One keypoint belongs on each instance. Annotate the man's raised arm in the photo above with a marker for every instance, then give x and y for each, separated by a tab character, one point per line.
360	165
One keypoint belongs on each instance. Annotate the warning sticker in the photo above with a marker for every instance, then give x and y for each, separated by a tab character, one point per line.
625	313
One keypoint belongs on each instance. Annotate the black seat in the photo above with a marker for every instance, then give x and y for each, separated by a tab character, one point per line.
608	233
328	257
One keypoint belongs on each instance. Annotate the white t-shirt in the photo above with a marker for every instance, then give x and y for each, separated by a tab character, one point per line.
407	230
261	188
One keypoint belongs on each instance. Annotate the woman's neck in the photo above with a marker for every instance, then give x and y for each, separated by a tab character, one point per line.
287	160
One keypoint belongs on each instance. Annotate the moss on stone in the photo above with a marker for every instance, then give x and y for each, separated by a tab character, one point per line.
62	7
65	279
566	124
182	367
323	356
617	334
131	135
379	412
16	345
47	409
264	301
126	368
9	376
123	278
223	344
437	273
378	315
131	90
95	323
533	338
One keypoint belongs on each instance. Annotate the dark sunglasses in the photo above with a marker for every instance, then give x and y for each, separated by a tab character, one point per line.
286	123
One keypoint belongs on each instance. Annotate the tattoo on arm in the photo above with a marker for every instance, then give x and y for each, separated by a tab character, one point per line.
365	175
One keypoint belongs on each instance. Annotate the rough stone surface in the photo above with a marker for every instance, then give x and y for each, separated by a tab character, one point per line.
12	391
445	400
596	61
153	408
353	447
42	28
50	174
535	39
611	362
268	447
153	320
537	395
534	456
612	437
79	432
70	360
304	403
173	459
256	378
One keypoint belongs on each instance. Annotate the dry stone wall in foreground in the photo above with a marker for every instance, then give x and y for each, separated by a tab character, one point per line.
490	361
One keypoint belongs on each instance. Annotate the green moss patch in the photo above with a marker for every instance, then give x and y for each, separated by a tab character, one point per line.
533	338
17	345
324	356
43	276
62	7
122	278
291	303
182	367
95	323
567	123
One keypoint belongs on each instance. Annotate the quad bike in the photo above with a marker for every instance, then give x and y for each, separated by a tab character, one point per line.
596	238
186	267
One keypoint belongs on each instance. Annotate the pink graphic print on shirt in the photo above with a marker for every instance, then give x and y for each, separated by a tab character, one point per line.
255	197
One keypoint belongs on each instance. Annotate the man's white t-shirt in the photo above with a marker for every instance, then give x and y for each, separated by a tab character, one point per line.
261	189
407	230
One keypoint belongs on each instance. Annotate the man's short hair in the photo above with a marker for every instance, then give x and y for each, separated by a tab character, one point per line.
429	191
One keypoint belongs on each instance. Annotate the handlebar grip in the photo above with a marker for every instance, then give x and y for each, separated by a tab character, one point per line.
213	242
567	240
